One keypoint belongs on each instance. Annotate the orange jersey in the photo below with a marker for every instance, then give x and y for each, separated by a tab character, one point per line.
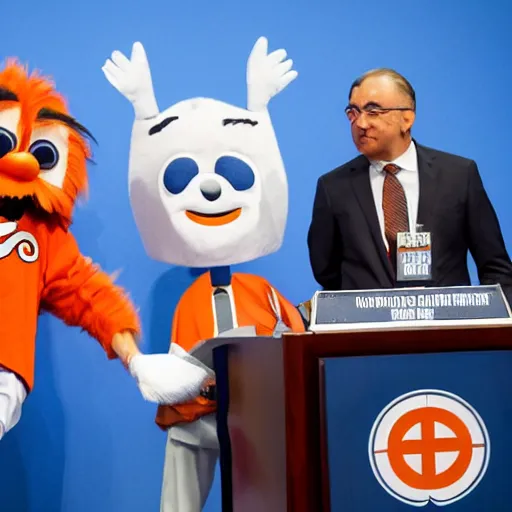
194	321
41	268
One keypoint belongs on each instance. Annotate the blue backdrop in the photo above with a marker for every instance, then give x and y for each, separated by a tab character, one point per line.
87	441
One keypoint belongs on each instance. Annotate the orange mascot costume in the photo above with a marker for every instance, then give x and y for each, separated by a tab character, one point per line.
43	157
208	189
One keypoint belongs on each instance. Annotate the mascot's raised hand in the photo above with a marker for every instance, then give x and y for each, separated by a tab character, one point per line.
267	75
208	189
132	78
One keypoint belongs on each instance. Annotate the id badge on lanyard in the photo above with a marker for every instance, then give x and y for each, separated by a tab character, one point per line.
414	256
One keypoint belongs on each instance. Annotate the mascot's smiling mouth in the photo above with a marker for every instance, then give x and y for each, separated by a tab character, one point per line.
214	219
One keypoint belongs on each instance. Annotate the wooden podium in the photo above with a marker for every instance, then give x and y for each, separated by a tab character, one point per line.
273	410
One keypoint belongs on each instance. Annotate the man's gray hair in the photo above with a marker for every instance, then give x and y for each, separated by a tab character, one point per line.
401	82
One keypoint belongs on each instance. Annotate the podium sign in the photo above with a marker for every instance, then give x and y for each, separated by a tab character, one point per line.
412	431
333	310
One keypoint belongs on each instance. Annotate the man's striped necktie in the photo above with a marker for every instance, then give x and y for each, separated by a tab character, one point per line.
394	204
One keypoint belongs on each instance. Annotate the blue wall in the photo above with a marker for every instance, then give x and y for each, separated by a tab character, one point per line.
87	440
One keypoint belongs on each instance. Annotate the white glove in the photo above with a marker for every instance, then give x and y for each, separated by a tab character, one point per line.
267	75
12	397
132	78
167	379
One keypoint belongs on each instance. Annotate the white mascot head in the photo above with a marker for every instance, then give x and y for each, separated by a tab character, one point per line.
206	179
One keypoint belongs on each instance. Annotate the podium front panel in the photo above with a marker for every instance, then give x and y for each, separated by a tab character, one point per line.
416	432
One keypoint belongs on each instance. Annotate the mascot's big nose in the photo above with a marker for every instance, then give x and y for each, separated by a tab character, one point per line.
210	190
20	166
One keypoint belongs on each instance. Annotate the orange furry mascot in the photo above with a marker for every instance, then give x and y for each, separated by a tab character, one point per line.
43	169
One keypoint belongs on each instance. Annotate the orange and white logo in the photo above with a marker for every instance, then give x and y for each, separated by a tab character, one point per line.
23	241
429	445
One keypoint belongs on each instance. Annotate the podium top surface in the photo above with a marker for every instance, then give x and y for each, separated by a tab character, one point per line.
356	322
374	339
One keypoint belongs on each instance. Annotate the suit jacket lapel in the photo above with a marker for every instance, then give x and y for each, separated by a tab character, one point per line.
427	173
363	192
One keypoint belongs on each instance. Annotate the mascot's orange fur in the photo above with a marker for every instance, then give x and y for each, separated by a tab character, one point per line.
35	105
43	159
43	169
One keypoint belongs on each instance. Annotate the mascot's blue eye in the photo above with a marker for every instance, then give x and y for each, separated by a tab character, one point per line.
45	153
7	141
179	174
236	171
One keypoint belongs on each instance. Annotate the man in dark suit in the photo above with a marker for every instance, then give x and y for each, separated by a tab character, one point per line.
395	185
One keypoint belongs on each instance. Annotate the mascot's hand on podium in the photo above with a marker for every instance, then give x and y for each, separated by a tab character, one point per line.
167	379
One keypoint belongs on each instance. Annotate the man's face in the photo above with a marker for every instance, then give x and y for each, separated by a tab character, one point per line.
379	133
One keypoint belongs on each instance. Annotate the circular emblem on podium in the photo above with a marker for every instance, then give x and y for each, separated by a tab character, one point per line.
429	446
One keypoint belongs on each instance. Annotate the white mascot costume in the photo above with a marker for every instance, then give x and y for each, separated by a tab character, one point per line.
208	189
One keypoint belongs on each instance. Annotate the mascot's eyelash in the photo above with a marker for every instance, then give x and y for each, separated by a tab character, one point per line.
238	121
54	115
160	126
7	95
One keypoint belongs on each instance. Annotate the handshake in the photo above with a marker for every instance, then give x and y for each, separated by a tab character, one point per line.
166	379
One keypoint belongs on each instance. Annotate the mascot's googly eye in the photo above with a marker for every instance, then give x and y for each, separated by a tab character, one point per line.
238	173
45	153
179	173
8	141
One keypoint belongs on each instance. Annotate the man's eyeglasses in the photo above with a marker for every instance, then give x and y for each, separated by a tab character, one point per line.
372	111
